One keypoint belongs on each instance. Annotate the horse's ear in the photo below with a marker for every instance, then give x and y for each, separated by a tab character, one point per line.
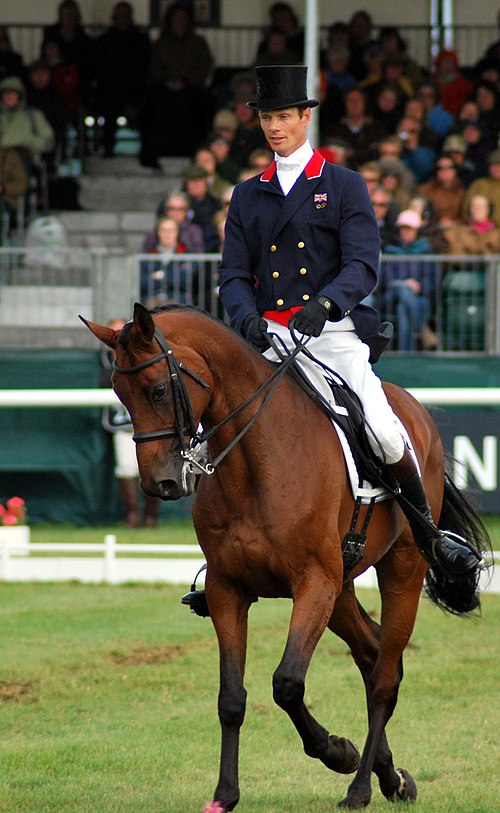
143	322
106	335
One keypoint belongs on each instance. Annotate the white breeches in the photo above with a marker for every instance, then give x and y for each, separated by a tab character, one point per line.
340	348
126	467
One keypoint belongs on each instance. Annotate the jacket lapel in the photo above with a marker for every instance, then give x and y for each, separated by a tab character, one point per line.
300	192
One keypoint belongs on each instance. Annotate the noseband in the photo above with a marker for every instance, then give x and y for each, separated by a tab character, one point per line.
184	421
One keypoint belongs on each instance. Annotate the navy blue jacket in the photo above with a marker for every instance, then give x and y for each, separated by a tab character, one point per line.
321	239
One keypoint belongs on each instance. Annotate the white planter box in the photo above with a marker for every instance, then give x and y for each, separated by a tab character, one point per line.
17	537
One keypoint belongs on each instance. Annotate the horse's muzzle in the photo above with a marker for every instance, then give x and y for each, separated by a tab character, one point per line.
173	488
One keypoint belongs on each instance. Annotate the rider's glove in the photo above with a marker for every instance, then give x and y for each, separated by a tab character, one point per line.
254	329
310	320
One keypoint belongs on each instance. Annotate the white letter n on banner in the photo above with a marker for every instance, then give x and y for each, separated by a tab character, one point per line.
467	459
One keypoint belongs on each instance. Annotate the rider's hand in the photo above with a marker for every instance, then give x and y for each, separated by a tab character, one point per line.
310	320
254	329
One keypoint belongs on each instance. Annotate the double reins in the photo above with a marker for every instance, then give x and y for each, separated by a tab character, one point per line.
184	420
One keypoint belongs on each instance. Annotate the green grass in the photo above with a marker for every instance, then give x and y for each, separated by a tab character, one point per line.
110	698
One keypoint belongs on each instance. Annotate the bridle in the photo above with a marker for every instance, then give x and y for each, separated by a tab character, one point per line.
184	421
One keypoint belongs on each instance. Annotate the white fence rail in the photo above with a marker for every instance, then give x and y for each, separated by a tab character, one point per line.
430	396
165	563
112	563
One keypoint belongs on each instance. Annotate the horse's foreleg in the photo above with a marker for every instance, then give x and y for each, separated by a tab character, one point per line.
229	614
311	611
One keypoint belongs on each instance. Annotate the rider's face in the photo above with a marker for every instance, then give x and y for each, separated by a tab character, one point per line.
285	130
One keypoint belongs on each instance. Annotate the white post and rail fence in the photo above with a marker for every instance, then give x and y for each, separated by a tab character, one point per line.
116	563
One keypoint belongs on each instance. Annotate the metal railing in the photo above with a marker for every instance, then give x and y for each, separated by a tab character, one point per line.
237	45
42	292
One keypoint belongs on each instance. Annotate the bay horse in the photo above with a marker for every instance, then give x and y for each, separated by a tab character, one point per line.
270	515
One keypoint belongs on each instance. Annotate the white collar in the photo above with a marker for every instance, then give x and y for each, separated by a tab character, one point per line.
300	157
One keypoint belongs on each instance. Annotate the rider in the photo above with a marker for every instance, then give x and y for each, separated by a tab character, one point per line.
301	253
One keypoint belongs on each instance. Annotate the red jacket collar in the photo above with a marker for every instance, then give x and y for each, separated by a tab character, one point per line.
314	168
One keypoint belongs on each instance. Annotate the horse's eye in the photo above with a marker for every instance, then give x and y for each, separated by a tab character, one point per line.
159	392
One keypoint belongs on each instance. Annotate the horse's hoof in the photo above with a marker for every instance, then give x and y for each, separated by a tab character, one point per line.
354	802
347	761
407	791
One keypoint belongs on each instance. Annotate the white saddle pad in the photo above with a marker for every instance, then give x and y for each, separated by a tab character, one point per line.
365	490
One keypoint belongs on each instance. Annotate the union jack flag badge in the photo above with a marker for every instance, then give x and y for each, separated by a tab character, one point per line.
322	197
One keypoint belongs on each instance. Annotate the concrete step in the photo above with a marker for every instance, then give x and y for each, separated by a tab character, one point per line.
108	229
123	184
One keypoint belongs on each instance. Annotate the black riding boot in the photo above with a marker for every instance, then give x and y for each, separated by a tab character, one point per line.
440	548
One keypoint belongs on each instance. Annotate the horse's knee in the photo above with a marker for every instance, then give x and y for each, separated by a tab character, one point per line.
232	705
287	690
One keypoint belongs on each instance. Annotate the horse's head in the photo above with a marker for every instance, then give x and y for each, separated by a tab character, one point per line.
166	387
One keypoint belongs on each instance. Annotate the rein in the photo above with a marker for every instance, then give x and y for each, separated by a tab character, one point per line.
182	405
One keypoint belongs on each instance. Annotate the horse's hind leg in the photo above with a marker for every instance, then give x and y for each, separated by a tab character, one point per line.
378	655
308	622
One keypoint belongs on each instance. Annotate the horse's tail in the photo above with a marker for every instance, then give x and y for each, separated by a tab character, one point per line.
460	596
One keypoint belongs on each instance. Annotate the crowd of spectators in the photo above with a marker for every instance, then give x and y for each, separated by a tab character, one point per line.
425	140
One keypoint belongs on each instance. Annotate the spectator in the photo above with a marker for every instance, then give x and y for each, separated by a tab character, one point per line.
225	123
177	110
430	228
220	223
394	46
65	76
337	151
487	99
452	85
387	108
489	187
116	420
205	159
436	117
392	75
228	169
392	147
336	72
445	191
248	135
24	128
469	162
338	33
394	180
42	95
283	17
415	109
11	62
14	184
169	278
75	45
361	39
408	288
386	212
121	63
274	50
418	158
479	235
478	148
176	206
260	159
202	204
360	131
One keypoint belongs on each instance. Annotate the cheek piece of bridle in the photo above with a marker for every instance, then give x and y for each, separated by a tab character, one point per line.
184	421
185	426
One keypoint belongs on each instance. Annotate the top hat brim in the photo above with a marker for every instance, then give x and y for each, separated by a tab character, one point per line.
282	104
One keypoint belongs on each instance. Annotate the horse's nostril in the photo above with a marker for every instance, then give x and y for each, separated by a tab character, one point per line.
168	489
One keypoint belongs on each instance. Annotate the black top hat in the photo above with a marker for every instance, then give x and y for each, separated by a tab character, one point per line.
281	86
